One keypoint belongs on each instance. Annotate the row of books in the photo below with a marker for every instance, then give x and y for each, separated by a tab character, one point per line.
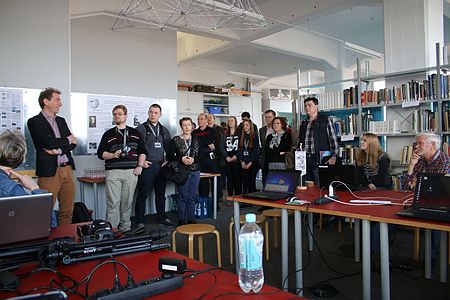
348	154
345	126
424	120
335	99
385	127
397	181
405	158
413	90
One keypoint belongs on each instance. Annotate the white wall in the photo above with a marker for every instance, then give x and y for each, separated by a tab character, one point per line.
35	45
132	62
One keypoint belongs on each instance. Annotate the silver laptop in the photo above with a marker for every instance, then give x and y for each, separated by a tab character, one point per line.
24	218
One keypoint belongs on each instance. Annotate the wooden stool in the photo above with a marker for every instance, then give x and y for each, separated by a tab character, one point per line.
275	213
197	229
260	219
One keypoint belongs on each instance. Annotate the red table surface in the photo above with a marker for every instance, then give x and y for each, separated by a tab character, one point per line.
144	265
377	213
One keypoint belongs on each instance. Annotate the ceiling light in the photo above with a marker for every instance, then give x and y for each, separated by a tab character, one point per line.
204	15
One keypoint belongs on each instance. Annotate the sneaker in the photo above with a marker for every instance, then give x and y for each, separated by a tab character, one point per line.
140	225
166	222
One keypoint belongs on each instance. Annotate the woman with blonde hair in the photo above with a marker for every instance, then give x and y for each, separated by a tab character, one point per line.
372	163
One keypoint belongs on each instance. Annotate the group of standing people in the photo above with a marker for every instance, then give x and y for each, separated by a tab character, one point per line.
134	156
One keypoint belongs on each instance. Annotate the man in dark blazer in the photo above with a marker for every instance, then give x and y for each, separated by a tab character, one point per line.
53	142
264	131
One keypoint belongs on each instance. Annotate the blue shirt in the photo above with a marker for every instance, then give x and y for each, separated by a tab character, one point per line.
9	188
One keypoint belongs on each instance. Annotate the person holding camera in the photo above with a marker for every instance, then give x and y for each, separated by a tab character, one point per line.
122	149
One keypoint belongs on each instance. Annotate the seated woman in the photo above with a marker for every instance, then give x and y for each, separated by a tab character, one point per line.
185	148
372	163
12	153
277	144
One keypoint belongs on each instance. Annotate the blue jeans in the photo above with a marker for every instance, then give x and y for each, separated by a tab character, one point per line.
187	193
150	179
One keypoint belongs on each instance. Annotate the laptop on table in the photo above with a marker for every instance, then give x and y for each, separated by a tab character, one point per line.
343	173
280	184
431	198
25	218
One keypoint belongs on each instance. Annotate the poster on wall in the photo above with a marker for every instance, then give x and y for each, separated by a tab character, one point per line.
12	109
99	111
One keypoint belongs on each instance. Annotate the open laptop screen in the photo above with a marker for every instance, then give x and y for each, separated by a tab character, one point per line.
433	191
25	218
281	181
343	173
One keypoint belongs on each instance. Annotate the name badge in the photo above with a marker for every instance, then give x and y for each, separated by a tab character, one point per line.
245	153
158	145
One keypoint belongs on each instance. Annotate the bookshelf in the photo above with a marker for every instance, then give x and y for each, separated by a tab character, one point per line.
412	101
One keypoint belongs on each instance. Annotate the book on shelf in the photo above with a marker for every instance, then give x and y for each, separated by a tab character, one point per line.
446	147
406	154
348	154
446	117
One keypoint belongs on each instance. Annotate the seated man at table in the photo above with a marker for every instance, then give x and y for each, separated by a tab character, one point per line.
427	157
12	153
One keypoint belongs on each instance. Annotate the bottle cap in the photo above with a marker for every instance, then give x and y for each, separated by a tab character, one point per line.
250	218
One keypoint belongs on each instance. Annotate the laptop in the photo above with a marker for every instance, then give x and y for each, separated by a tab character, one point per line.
25	218
280	184
344	173
431	198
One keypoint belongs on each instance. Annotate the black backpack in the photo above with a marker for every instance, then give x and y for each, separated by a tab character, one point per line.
80	213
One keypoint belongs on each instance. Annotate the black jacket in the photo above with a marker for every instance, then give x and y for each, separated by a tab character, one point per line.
44	137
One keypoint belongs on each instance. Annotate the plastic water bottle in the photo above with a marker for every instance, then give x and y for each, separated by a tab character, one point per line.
251	239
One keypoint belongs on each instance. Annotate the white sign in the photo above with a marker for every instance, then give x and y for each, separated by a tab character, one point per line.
12	110
410	103
300	161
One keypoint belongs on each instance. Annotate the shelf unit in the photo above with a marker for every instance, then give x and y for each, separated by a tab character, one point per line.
434	109
190	104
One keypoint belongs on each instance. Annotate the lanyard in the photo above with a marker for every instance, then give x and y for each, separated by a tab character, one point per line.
124	136
157	129
246	144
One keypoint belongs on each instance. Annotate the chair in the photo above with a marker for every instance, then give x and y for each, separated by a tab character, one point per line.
197	229
260	219
274	213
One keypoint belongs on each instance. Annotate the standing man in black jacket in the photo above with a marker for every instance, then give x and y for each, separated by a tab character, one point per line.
264	132
156	142
318	138
123	151
53	142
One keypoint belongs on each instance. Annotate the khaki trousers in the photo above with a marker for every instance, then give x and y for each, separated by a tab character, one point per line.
120	186
62	186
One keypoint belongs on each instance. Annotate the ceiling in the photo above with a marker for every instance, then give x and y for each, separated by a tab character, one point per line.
305	35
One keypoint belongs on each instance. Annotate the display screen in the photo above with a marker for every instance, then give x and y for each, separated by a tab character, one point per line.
433	191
